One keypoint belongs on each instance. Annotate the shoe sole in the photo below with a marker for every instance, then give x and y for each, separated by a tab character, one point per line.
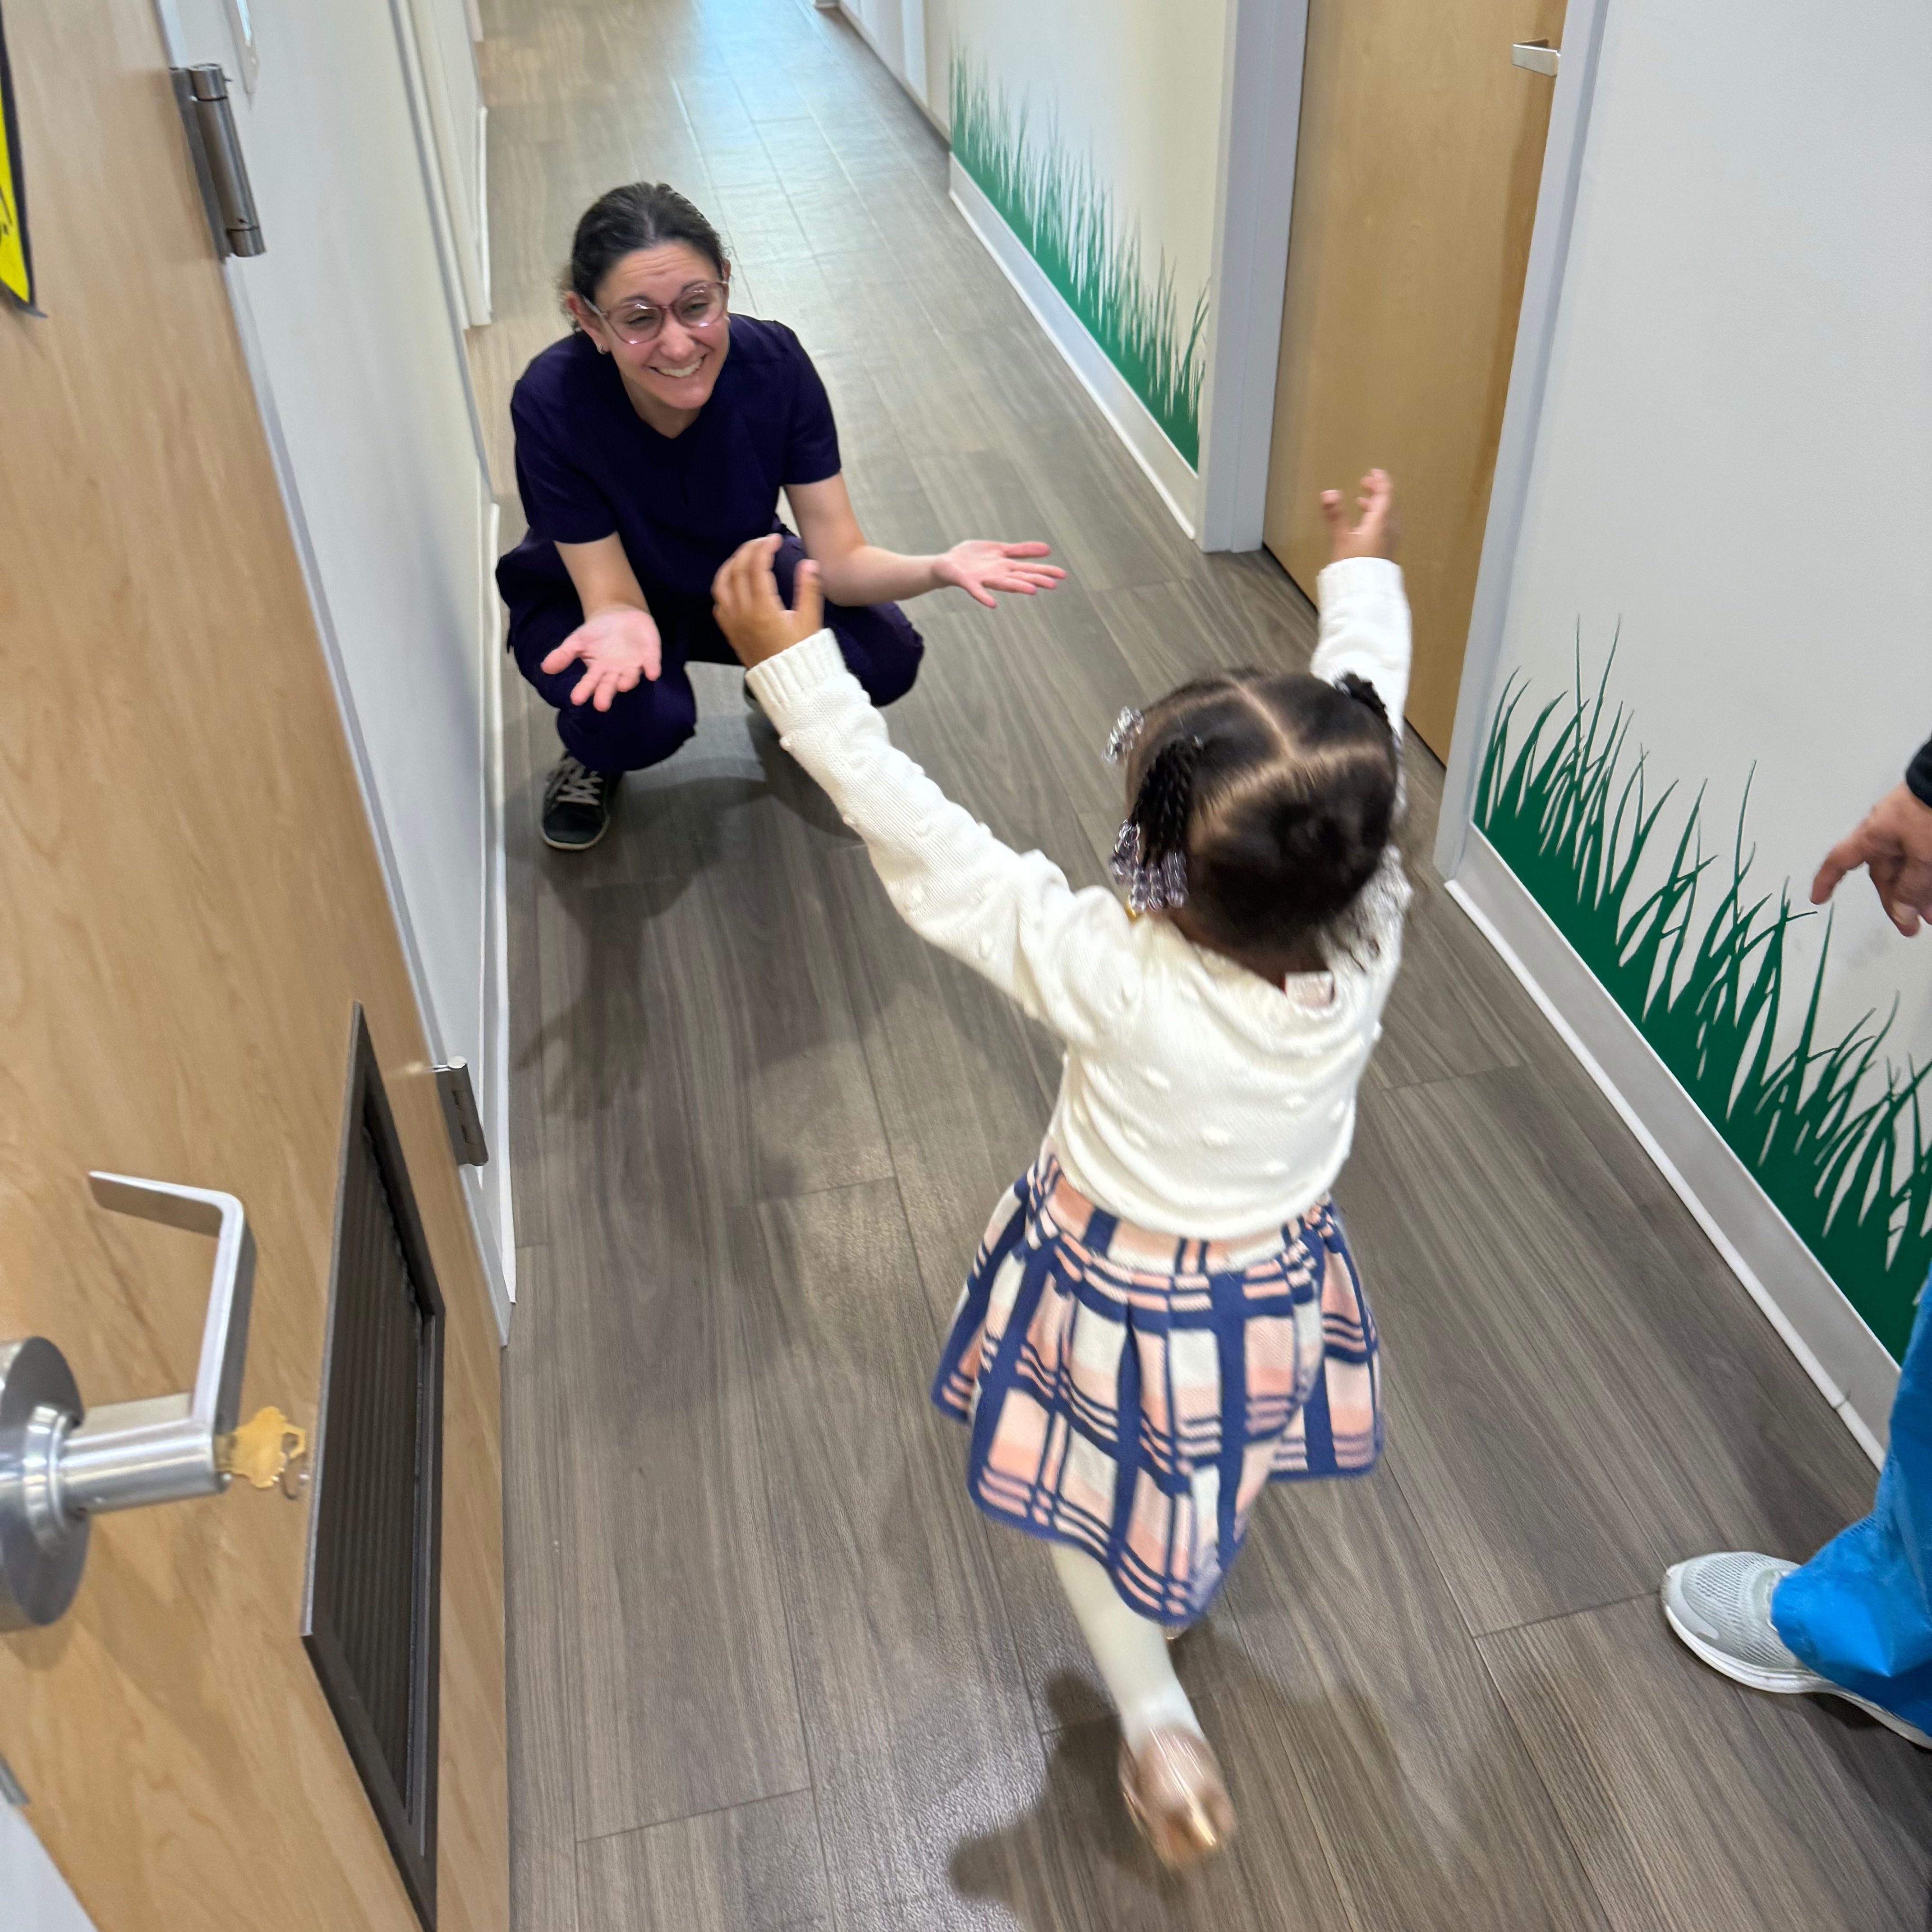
1783	1683
580	845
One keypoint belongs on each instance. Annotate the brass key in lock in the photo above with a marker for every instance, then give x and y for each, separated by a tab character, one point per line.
264	1452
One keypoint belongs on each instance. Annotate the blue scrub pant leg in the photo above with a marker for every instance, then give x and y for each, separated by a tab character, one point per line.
644	727
1860	1613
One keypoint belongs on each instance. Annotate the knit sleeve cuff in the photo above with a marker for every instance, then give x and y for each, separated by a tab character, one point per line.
784	685
1919	774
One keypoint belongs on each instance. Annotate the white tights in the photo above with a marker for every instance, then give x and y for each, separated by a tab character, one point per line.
1131	1650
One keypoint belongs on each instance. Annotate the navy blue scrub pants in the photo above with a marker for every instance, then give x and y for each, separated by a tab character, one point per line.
644	727
1860	1613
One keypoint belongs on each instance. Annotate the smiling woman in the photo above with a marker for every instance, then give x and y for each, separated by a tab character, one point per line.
651	443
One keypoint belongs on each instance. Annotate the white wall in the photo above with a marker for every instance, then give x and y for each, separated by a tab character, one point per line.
1112	109
353	329
37	1899
1733	466
442	59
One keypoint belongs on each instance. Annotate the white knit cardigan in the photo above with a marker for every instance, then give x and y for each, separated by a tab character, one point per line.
1197	1098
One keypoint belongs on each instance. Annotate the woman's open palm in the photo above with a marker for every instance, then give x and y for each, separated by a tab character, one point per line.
979	567
616	648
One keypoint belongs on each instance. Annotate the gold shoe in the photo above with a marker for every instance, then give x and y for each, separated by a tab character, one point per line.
1174	1790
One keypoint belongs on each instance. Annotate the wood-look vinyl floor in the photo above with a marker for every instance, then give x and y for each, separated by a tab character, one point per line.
769	1670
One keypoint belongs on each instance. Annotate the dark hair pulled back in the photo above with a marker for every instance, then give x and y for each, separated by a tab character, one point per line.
1279	793
640	215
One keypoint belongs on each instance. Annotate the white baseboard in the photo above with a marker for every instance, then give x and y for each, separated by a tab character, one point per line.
1167	469
483	207
1821	1327
864	33
489	1192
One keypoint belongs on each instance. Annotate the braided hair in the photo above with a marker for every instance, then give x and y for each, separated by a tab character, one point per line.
1265	802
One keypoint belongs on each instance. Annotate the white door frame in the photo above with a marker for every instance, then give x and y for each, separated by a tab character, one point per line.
1254	197
1261	116
1522	412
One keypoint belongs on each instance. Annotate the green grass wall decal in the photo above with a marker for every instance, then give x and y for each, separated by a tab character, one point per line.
1833	1132
1064	217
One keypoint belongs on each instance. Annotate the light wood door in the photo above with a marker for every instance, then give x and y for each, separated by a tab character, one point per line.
1419	154
190	904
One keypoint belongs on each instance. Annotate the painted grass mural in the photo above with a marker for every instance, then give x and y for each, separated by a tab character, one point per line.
1065	218
1834	1132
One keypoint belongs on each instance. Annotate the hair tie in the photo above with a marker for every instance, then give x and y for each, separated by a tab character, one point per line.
1126	729
1363	692
1151	854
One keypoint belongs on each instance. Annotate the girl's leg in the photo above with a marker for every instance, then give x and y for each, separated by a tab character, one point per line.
1168	1776
1130	1650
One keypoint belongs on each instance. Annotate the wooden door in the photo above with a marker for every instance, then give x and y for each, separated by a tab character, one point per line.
1419	154
192	907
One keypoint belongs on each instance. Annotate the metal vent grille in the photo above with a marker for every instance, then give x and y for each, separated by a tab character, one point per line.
374	1579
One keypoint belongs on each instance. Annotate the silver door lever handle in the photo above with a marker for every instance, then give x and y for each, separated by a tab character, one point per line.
61	1464
1539	56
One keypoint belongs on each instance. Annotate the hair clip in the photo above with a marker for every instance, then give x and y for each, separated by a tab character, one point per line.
1159	887
1126	729
1362	692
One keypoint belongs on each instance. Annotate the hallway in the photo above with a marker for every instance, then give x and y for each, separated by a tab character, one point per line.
765	1675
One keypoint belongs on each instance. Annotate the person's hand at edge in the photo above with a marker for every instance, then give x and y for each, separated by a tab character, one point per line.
618	648
1376	532
745	598
980	566
1893	841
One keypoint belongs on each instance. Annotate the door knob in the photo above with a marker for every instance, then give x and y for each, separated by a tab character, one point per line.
62	1464
1539	56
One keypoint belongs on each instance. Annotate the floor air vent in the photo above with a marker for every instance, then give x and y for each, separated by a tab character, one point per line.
374	1581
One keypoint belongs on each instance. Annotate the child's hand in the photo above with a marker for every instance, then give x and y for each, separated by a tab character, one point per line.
744	596
1380	529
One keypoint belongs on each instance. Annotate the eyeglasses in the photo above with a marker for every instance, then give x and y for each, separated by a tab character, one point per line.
698	305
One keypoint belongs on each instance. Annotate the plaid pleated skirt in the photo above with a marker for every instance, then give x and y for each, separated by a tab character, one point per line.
1131	1393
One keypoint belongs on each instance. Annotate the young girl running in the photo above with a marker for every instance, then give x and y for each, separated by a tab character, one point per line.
1164	1316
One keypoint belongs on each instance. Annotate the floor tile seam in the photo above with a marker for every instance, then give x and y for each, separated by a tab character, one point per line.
1313	1811
776	1199
760	1429
691	1817
985	1527
1605	1912
1392	1469
1384	1085
1480	1637
1475	1633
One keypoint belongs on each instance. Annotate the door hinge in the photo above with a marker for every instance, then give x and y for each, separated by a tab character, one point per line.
219	169
460	1114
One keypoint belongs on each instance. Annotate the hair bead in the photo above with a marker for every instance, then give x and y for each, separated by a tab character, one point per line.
1151	854
1363	692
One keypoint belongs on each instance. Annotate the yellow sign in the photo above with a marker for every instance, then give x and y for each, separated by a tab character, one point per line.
17	273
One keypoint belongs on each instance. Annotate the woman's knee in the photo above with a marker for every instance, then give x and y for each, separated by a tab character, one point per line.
642	727
881	649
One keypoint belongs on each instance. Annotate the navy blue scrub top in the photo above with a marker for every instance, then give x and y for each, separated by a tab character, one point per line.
588	464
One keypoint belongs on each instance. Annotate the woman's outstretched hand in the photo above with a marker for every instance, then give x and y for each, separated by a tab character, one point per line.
1377	530
745	597
979	567
616	648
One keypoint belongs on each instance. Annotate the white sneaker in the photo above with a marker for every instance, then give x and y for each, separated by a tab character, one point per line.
1720	1606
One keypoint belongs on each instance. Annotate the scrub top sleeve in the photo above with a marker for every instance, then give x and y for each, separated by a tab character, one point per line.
812	448
560	501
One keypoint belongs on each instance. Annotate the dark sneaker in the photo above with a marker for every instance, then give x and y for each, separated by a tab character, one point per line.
577	806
